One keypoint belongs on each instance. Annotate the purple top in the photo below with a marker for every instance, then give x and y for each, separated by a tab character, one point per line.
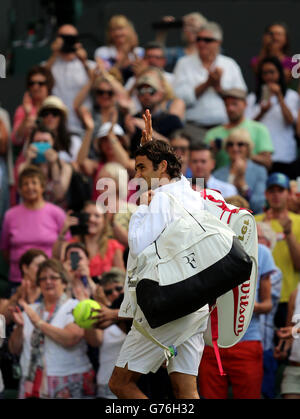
286	62
24	229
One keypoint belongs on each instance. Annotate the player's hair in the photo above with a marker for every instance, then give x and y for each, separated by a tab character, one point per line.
157	151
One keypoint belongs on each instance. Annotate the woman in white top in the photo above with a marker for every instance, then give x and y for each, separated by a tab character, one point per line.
122	46
53	358
290	339
276	106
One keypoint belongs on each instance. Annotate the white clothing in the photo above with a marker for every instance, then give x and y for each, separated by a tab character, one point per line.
146	224
225	188
144	356
207	109
109	54
1	379
70	77
71	156
60	361
295	350
113	338
282	135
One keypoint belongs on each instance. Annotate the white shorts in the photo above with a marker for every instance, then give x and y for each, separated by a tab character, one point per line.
142	355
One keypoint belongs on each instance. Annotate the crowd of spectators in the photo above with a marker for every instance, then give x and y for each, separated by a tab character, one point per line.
65	163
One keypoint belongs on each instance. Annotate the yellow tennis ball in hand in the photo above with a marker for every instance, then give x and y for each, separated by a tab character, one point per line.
83	314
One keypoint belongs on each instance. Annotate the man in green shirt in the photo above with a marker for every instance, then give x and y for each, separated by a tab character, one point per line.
235	103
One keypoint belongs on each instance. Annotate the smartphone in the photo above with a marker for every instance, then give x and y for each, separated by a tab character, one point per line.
41	149
266	93
82	227
75	258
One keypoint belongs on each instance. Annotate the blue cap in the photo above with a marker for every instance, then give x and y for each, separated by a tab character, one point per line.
278	179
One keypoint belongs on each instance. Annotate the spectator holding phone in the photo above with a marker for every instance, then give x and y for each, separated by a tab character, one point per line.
41	152
76	262
39	85
276	106
53	114
104	253
70	68
35	223
53	358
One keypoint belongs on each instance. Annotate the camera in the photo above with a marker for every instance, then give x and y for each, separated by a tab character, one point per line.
69	43
167	25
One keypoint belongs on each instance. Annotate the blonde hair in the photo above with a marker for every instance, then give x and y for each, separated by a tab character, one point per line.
240	134
268	233
120	175
166	87
103	237
238	201
121	20
197	18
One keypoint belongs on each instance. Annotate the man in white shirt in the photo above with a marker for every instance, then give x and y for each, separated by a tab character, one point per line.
157	164
199	78
202	164
70	68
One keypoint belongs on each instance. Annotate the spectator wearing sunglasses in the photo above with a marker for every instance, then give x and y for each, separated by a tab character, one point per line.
200	77
109	98
39	84
52	348
154	57
248	177
54	115
151	92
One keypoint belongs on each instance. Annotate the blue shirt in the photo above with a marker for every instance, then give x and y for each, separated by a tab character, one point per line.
266	266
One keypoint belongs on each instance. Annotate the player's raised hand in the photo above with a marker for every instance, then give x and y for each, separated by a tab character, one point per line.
147	132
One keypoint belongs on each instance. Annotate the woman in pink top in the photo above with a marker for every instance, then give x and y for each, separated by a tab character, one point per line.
39	84
33	224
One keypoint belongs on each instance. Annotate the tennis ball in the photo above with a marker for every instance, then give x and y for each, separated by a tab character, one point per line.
82	313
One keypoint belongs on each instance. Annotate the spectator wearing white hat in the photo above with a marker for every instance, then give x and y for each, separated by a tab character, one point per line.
111	143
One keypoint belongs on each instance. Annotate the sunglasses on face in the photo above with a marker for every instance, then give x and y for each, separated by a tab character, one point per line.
239	144
39	83
118	288
47	112
205	39
101	92
144	90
